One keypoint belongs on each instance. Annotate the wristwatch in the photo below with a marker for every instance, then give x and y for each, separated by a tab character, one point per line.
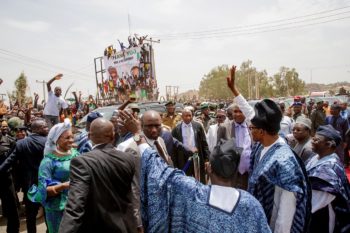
137	138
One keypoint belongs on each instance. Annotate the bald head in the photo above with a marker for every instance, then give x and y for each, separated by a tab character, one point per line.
151	124
150	115
40	127
101	131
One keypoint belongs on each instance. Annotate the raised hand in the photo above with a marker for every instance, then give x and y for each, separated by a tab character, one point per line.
58	76
129	121
231	81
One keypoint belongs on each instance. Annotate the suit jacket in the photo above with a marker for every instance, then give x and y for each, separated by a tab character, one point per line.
99	197
173	145
201	144
29	151
130	147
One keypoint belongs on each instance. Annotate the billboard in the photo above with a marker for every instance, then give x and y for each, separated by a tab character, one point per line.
129	72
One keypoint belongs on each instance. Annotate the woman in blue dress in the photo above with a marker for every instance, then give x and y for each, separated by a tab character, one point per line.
53	185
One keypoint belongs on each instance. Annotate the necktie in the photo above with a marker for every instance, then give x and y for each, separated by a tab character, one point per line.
161	151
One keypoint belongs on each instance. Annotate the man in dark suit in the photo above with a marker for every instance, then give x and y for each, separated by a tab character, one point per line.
341	125
99	197
192	135
29	151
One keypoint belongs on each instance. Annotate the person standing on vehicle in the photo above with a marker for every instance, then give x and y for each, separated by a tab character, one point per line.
54	103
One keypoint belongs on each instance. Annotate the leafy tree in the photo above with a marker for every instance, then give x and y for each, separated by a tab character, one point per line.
287	82
19	94
253	84
213	84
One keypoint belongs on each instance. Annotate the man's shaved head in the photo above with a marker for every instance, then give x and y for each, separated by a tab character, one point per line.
39	126
101	131
150	114
151	123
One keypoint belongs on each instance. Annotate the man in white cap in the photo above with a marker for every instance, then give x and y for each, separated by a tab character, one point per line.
302	134
217	131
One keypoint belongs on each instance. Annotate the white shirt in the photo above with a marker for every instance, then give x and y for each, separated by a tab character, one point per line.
284	203
246	109
321	199
188	140
286	126
212	136
54	105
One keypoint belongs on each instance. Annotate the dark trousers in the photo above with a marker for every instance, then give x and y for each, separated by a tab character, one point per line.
51	120
8	200
31	210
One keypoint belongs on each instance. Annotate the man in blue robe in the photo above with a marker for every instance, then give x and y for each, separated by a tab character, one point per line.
174	202
278	178
330	186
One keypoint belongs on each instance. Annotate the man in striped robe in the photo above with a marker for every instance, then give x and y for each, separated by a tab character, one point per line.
278	178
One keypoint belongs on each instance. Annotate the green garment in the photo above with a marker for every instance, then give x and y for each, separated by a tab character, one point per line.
53	170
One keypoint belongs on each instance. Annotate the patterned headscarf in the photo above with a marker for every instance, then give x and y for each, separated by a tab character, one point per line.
55	132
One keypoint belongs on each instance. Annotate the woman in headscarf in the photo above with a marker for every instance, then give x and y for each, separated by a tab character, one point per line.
53	185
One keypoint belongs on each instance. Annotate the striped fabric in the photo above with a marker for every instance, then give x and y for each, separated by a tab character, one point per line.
328	175
174	202
281	167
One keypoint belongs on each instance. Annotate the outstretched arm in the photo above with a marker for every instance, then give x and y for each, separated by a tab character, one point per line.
242	103
48	84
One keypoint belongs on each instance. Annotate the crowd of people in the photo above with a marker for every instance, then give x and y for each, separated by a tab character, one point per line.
234	168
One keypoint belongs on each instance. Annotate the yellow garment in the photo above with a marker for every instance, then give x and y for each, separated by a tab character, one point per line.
327	110
171	121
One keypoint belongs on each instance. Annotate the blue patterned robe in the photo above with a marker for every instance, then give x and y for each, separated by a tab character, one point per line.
328	175
281	167
174	202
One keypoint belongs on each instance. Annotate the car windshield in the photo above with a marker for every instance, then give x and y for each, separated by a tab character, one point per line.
106	112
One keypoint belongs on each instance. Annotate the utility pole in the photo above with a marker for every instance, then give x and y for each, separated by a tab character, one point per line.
257	94
171	92
44	84
249	86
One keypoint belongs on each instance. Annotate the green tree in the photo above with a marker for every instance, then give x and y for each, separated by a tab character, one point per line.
213	84
287	83
252	84
19	94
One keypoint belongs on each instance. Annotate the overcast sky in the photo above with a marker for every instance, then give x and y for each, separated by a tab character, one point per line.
65	36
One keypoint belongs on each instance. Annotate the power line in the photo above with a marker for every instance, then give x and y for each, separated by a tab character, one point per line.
39	67
257	31
34	60
253	25
271	26
257	26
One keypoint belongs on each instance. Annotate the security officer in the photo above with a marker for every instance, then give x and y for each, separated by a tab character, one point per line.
7	190
170	118
205	118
